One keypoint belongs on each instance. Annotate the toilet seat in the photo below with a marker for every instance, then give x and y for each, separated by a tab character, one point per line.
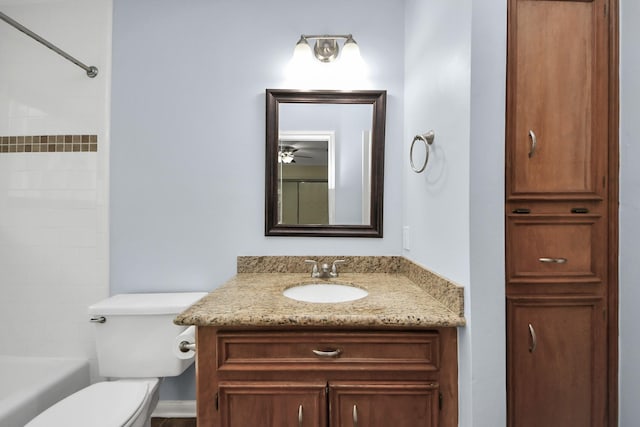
104	404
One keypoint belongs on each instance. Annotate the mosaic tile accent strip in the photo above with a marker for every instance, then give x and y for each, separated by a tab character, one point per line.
48	143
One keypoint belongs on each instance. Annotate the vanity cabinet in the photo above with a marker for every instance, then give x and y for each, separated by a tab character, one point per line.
339	377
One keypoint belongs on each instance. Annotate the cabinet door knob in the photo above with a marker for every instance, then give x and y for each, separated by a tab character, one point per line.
300	416
327	353
534	142
534	339
355	416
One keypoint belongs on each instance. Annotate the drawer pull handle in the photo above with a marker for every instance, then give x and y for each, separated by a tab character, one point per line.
534	142
534	339
355	416
327	353
300	416
553	260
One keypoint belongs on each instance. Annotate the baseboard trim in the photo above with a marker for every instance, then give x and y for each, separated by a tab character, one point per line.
175	409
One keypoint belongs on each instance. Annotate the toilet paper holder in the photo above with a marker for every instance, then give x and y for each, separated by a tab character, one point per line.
186	346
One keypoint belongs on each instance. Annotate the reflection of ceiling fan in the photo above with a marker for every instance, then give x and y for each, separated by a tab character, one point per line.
286	154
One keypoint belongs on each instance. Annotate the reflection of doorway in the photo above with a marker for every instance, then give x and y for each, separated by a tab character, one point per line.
304	202
306	177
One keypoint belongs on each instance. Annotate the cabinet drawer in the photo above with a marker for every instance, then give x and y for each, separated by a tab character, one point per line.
558	248
327	350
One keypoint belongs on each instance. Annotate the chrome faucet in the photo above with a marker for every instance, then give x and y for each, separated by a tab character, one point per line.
324	271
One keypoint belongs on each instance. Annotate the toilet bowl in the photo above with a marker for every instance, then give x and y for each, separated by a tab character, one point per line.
135	336
120	403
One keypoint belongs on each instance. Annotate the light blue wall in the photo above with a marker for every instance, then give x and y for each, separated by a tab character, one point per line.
188	134
629	212
185	99
455	85
485	337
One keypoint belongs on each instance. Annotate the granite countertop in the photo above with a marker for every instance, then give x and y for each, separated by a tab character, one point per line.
256	300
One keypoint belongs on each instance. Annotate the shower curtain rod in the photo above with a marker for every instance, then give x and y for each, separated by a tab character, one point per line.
91	70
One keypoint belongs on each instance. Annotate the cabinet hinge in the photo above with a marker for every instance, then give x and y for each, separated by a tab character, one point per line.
579	210
521	211
217	403
440	398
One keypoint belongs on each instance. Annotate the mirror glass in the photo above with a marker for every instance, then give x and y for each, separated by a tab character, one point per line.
325	158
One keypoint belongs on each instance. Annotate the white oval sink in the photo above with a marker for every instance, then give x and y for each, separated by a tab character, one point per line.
325	293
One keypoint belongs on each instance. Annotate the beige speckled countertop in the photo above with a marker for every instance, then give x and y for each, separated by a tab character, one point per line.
394	300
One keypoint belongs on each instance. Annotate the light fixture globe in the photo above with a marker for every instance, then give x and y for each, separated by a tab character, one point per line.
302	51
350	50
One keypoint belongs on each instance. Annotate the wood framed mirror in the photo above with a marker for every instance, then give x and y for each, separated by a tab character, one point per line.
324	173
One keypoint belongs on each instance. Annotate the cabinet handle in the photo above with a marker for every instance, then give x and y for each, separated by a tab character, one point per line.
553	260
328	353
534	339
355	416
534	142
300	416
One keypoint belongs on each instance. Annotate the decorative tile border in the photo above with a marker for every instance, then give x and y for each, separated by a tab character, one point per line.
48	143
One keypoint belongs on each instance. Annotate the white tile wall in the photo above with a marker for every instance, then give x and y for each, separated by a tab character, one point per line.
53	206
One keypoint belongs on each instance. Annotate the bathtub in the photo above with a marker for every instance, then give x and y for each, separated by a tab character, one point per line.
29	385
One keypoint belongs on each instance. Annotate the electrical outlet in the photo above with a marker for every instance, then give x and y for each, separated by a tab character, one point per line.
406	238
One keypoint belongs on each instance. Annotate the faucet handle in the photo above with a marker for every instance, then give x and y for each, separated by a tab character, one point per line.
314	271
334	267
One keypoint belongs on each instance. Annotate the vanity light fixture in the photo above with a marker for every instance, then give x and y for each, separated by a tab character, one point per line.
326	48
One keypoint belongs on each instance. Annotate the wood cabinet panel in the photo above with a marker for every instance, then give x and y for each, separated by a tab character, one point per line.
556	356
295	350
286	404
556	248
382	404
558	92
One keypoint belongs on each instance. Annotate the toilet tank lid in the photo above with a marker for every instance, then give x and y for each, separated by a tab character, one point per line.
148	303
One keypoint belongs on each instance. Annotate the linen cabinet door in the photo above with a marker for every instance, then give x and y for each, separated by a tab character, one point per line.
272	404
377	404
557	99
556	354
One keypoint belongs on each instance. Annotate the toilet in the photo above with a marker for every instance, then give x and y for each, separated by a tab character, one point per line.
135	346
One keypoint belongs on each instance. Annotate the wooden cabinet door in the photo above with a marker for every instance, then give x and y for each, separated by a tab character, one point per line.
557	362
557	99
272	404
382	404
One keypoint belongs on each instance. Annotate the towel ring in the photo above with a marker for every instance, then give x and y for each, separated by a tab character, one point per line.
427	139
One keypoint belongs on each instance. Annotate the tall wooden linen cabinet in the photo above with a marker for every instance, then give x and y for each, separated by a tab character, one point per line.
561	213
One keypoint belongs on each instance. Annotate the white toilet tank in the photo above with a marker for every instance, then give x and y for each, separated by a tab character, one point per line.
137	337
